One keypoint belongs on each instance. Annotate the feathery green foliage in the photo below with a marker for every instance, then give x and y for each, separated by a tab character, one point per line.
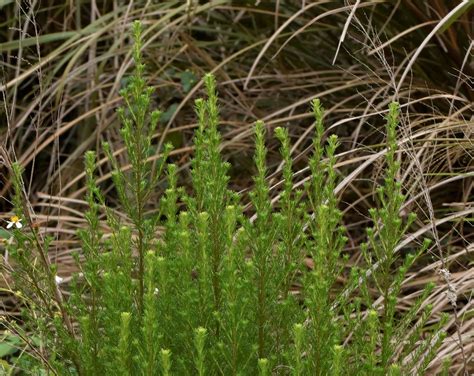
199	288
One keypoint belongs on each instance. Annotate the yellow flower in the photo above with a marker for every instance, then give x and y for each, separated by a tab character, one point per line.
14	221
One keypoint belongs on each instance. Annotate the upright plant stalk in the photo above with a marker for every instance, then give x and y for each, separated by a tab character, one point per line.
137	131
151	319
91	239
124	356
199	341
139	157
165	362
262	235
325	246
291	211
287	261
20	201
390	227
210	181
298	355
383	239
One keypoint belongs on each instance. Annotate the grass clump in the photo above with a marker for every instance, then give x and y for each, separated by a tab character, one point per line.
197	287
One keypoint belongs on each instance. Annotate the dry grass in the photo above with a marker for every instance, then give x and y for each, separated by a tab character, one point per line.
62	67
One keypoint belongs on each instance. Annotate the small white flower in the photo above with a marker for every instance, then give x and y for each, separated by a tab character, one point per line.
14	221
58	279
156	291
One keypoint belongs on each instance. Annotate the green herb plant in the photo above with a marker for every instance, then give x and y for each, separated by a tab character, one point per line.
195	287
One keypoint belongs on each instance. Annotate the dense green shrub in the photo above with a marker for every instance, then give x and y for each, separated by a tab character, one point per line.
199	288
